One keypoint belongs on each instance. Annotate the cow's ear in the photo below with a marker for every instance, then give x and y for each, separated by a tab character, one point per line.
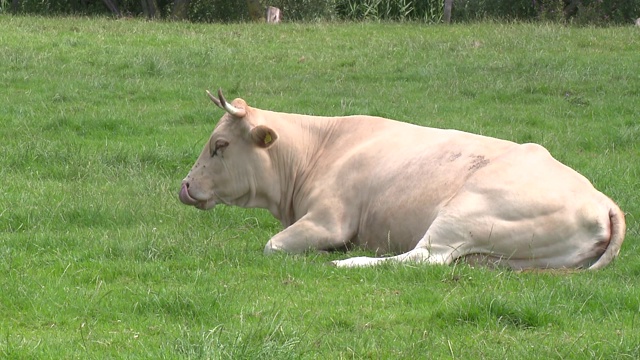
263	136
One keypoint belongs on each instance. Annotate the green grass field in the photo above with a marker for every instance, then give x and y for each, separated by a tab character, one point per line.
100	121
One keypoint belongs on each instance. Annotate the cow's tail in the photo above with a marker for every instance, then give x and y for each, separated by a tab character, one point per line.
618	228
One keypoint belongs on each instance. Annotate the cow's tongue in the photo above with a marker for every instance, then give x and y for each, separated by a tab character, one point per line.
185	197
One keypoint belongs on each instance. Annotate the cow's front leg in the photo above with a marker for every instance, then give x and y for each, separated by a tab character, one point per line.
309	234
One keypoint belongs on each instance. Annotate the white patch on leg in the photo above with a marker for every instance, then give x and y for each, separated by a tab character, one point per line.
417	255
358	262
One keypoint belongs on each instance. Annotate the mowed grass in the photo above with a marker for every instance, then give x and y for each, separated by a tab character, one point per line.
100	120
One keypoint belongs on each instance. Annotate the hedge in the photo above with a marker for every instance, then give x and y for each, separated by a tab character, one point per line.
599	12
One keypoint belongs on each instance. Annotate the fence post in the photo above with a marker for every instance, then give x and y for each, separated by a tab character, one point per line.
448	5
273	15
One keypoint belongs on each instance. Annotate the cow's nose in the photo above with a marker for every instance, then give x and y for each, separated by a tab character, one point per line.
184	195
185	185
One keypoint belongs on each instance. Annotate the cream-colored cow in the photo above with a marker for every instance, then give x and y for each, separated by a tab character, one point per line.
421	194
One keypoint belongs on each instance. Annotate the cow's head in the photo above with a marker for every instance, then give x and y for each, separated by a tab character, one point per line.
234	167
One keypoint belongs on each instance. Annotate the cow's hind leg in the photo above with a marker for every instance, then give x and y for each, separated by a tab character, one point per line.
417	255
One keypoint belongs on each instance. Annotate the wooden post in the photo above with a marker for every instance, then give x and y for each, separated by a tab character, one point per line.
448	5
273	15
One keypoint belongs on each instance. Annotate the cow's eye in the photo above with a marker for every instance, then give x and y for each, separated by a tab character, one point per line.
217	147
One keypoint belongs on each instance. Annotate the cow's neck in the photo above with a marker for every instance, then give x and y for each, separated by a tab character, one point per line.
302	141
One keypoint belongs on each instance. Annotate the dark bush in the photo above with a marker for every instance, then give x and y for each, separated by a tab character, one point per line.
597	12
218	11
601	12
466	10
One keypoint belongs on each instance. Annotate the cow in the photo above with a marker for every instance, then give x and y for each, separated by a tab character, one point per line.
404	192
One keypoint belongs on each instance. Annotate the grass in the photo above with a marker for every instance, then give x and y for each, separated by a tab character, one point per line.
102	119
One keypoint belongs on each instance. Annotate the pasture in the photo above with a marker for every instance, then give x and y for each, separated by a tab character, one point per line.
100	120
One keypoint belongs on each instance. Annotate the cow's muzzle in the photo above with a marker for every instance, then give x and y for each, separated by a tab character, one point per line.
185	197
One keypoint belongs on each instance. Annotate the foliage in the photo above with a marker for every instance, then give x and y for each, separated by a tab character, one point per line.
493	9
102	119
305	10
218	11
233	10
599	12
391	10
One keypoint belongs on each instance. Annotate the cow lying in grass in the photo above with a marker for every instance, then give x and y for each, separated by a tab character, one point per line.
424	194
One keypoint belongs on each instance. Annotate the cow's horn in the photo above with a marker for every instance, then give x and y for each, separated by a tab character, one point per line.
222	103
214	99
